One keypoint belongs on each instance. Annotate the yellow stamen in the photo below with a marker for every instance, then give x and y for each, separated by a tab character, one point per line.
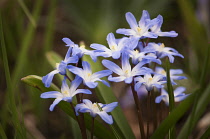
89	74
113	47
162	45
65	92
95	105
163	72
56	65
138	29
136	51
82	44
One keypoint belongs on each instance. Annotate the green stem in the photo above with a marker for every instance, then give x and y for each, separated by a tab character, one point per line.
92	129
170	94
138	107
148	111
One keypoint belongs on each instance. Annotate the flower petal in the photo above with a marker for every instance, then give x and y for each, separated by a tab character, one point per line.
101	74
109	107
107	118
47	80
112	66
131	20
55	102
51	94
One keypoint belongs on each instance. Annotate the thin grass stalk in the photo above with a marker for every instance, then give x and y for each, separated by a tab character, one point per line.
92	128
10	96
148	112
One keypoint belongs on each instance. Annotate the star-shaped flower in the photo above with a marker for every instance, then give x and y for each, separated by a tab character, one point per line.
88	77
140	30
115	47
126	73
162	51
96	109
149	81
66	93
60	68
173	74
178	95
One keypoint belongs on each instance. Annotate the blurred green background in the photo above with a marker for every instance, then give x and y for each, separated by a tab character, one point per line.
29	29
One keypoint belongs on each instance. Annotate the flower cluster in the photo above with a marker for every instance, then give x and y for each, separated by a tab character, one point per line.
138	66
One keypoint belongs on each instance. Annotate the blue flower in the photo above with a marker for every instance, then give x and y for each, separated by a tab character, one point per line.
162	51
60	68
66	93
79	50
140	30
173	73
178	95
149	81
156	29
139	56
96	109
115	47
88	77
125	73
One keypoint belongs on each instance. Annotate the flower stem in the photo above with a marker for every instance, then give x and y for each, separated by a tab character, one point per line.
68	77
148	111
138	107
92	129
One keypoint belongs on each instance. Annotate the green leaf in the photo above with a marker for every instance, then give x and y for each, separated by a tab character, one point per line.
99	131
106	95
206	134
202	103
173	117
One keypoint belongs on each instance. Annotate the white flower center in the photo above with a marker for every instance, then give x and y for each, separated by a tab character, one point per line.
95	108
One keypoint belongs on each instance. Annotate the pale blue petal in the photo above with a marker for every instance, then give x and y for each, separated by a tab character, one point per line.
181	97
68	53
176	71
75	70
112	66
99	47
55	102
64	86
109	107
159	98
111	39
47	80
82	108
73	59
179	90
51	94
91	84
131	20
75	83
83	91
116	79
101	74
105	82
138	85
125	62
145	16
125	31
116	54
86	67
107	118
129	80
167	34
68	42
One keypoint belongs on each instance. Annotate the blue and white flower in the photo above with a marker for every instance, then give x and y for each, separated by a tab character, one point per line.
139	56
140	30
126	73
115	47
173	74
149	81
66	93
60	68
79	50
178	95
88	77
97	109
156	29
162	51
